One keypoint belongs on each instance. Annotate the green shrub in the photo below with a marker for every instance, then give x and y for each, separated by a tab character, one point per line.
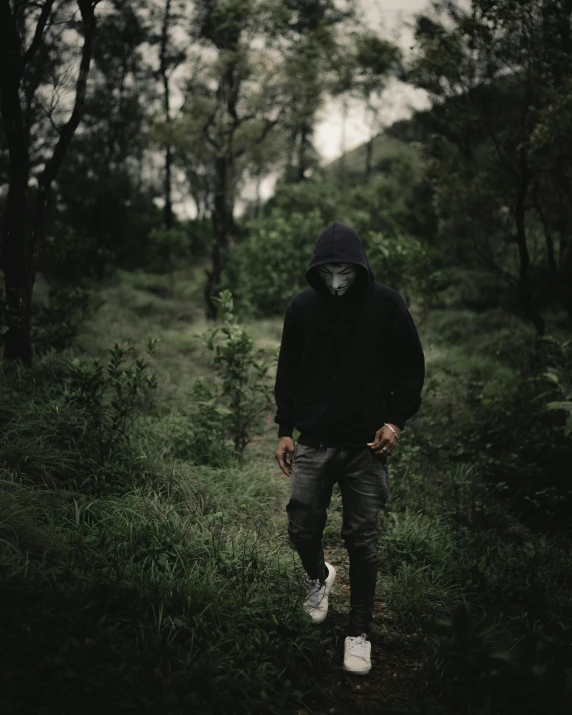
245	393
406	264
418	578
471	668
267	268
199	433
381	204
71	424
515	437
167	247
56	323
70	257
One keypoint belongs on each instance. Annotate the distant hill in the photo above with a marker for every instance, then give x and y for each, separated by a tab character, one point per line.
402	137
385	147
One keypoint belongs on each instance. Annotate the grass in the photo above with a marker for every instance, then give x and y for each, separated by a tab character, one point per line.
180	593
193	604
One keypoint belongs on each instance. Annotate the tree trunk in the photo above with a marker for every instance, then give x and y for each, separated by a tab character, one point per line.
524	261
168	208
222	214
342	164
290	171
258	205
13	251
368	157
50	172
167	250
304	130
563	288
19	257
223	228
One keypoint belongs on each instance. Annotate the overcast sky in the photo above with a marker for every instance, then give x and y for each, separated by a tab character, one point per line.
387	17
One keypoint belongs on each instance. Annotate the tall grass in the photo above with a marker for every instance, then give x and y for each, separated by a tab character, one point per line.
178	592
147	583
155	596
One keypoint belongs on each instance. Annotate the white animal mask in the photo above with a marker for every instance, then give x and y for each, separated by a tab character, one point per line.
338	277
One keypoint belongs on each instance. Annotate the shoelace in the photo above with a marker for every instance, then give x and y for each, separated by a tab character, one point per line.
316	595
357	646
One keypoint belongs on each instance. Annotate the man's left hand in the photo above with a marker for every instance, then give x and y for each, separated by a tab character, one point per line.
384	437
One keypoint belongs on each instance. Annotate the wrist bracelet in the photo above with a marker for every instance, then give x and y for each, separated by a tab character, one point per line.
394	432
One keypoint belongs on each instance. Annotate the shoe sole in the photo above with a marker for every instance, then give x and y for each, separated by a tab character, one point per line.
315	623
357	672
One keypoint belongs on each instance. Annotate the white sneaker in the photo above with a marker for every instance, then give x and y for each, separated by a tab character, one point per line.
357	652
316	603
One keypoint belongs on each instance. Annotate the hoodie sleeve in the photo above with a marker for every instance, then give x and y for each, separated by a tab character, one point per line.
284	388
406	367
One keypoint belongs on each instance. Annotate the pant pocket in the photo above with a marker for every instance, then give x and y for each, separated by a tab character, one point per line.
299	448
381	463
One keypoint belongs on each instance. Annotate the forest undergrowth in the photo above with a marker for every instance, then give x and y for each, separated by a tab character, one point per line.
143	568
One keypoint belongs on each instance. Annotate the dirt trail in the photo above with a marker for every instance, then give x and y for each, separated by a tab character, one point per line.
395	678
395	657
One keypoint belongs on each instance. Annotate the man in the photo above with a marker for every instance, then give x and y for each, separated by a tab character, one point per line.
350	373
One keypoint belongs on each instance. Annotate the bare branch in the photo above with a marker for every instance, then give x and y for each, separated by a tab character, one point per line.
87	9
49	111
269	124
38	34
210	120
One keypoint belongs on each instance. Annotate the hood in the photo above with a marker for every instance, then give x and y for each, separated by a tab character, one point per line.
339	244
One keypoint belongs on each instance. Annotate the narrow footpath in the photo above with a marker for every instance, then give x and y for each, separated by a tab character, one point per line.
395	679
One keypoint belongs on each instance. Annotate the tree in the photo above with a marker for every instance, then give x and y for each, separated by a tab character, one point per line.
171	55
376	59
362	65
305	85
19	246
236	107
100	194
260	160
493	73
313	66
345	65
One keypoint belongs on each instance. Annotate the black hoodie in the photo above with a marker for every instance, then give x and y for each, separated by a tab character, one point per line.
347	364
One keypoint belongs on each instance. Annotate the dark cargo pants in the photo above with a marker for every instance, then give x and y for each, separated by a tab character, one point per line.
364	484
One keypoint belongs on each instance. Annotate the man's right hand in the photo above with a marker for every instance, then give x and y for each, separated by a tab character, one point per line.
285	449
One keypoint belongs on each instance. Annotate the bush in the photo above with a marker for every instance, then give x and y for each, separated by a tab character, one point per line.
134	582
406	264
200	434
515	438
527	680
267	268
382	204
74	425
166	248
245	393
56	323
72	256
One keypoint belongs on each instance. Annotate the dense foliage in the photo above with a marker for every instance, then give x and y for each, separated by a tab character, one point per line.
144	564
267	268
148	564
